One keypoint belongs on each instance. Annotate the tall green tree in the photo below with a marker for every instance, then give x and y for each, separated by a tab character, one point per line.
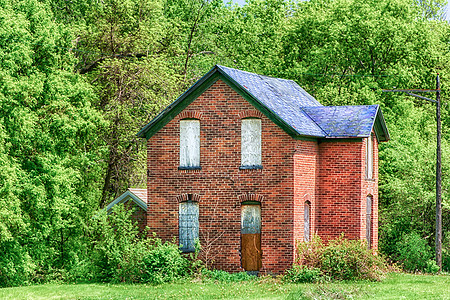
123	53
345	52
49	152
250	37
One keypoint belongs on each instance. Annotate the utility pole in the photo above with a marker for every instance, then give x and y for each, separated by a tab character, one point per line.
438	161
438	177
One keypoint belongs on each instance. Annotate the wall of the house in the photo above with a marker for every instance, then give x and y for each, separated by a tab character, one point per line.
221	186
329	174
306	172
138	215
370	188
343	189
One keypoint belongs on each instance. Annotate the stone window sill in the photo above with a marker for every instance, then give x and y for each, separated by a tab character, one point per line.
189	168
250	167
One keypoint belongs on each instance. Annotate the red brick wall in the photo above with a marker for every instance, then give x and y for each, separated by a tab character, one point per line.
343	189
306	172
330	175
138	214
220	184
370	187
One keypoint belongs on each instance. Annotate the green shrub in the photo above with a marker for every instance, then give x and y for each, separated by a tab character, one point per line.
224	276
342	259
446	262
115	246
432	267
414	252
303	274
162	262
16	266
310	253
446	254
351	259
119	253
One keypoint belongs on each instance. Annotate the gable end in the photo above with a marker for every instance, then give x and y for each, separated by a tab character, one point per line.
128	195
196	90
282	101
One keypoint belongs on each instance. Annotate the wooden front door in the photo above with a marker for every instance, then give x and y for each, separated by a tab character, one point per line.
251	253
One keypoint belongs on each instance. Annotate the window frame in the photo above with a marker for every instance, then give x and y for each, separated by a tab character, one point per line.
183	231
246	162
369	212
307	230
369	157
189	160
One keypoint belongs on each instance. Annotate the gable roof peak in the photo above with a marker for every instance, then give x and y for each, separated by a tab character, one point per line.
284	102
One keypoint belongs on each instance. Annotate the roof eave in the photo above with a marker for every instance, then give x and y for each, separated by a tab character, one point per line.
123	198
154	125
379	126
196	90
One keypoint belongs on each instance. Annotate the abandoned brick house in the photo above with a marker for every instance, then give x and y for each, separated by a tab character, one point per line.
250	165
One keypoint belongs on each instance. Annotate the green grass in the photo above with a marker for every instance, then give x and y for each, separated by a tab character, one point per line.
396	286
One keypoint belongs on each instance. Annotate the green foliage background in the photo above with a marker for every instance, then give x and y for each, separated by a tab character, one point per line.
78	79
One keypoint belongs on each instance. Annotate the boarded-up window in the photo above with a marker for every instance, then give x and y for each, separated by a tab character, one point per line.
369	157
307	221
189	143
251	219
188	225
251	143
368	220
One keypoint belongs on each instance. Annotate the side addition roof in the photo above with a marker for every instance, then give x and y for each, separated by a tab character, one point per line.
349	121
286	104
138	196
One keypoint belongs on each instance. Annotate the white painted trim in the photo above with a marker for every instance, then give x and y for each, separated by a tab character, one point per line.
128	195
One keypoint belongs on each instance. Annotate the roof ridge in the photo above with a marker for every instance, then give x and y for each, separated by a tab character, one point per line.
283	101
256	74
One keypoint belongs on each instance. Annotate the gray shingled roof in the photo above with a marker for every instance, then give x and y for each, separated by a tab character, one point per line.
344	121
285	98
287	104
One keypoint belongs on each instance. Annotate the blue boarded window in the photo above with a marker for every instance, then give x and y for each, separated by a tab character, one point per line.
188	225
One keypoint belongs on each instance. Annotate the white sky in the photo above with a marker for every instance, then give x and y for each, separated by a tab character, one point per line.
447	9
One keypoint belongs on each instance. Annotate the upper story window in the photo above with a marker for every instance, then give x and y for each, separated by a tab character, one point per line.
369	157
251	144
189	144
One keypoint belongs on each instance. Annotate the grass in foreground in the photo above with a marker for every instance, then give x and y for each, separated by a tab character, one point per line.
396	286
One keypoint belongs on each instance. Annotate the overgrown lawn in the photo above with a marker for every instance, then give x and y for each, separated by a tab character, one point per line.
396	286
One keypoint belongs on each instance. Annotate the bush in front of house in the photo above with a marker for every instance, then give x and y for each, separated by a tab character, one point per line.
340	259
346	259
120	254
162	262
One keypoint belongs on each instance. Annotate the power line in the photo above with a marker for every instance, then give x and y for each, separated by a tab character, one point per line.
348	75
